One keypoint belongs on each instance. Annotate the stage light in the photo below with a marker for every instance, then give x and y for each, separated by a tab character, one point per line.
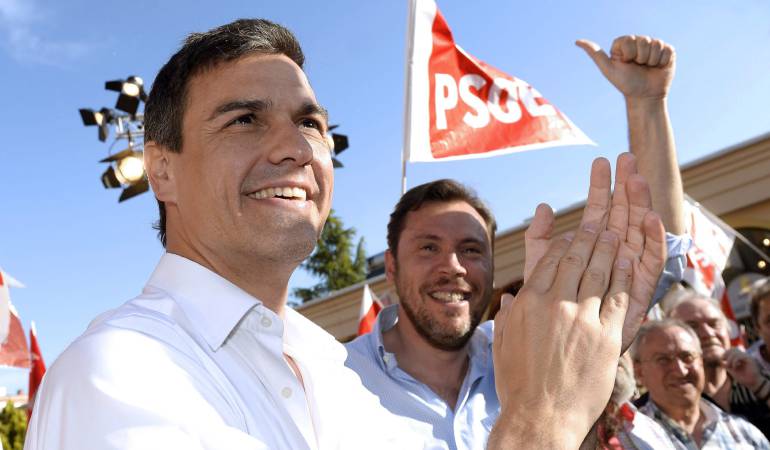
131	92
339	143
99	118
126	170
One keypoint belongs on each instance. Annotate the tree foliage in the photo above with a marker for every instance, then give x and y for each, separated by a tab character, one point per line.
334	261
13	427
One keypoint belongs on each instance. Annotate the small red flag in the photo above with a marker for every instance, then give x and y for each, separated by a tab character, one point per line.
370	307
37	369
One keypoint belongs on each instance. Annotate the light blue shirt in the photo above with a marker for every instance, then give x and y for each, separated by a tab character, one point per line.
462	426
467	424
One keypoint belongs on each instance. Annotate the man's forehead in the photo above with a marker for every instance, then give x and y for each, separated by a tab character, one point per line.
455	220
669	339
697	308
267	76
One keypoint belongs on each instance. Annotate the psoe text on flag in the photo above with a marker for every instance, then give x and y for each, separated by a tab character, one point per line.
459	107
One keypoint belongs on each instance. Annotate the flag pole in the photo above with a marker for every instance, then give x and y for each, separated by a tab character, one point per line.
409	47
725	226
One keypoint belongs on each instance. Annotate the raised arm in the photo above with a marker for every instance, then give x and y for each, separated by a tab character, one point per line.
642	69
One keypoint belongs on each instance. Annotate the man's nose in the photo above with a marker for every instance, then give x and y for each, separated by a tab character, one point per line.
288	144
451	265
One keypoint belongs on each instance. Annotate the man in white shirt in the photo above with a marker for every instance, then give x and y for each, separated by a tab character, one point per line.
208	356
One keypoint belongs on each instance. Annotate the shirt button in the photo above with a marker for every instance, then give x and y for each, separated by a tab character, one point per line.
386	358
266	322
286	392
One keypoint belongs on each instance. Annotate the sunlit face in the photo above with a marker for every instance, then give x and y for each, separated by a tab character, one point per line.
763	320
443	272
254	177
709	323
671	368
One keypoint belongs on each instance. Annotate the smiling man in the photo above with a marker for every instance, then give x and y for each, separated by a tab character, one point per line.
734	380
208	356
668	361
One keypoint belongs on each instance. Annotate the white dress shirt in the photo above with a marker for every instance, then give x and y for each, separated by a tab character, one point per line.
194	362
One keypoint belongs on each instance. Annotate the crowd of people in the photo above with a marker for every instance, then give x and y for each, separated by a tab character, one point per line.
208	356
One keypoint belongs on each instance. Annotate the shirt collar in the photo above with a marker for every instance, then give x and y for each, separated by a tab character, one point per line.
479	346
213	304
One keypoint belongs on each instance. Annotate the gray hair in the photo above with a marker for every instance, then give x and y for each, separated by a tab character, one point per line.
655	325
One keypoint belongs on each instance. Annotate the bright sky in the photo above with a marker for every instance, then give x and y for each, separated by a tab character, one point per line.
80	252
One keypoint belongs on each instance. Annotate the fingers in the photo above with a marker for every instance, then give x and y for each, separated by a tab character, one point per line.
656	49
618	218
574	262
642	50
596	278
542	223
543	274
639	204
615	305
596	54
646	274
506	300
537	238
599	194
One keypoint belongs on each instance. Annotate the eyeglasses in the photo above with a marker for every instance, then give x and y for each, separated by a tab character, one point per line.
666	360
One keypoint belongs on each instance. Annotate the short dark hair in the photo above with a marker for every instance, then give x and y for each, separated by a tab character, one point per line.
164	112
440	191
760	292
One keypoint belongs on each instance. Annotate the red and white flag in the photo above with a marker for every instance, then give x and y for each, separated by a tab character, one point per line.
37	370
370	307
712	243
459	107
13	343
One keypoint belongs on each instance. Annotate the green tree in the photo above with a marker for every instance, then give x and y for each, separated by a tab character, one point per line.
333	260
13	427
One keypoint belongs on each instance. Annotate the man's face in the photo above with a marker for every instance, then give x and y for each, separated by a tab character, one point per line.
254	178
710	325
763	320
671	368
443	271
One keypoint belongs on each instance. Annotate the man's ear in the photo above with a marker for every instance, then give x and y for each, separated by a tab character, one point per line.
390	265
158	163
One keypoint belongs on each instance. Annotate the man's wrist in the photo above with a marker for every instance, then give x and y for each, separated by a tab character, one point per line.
534	430
645	104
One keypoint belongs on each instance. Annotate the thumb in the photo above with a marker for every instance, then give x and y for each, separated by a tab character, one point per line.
596	53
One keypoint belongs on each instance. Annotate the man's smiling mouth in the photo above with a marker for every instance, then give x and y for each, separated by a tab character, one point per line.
289	193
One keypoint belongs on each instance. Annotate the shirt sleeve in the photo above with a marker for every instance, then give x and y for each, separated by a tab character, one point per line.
673	272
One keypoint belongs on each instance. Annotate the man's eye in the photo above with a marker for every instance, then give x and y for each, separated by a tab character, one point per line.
246	119
311	123
428	247
472	251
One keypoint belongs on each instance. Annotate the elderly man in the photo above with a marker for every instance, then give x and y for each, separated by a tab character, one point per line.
734	380
668	361
426	359
208	356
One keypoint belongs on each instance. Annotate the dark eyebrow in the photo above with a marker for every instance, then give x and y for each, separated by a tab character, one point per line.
314	108
251	105
258	106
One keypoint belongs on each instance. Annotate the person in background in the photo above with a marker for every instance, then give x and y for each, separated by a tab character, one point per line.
668	361
760	315
733	379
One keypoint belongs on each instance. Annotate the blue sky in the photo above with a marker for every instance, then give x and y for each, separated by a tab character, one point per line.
80	252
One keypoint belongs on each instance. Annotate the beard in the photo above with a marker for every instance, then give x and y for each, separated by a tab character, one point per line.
432	329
